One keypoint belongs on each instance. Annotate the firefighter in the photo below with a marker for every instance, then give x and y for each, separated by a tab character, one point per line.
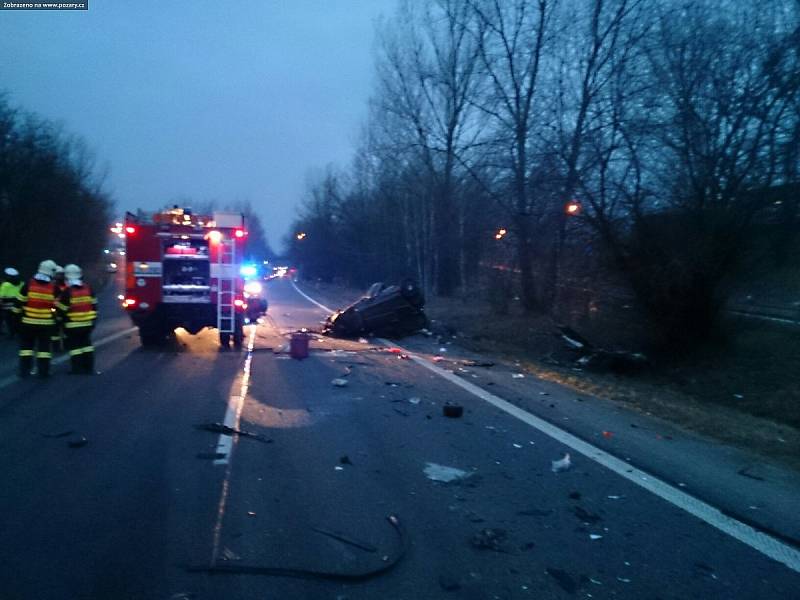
78	307
35	307
8	294
59	279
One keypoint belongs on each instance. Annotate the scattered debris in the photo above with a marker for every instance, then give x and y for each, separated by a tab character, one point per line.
78	442
391	383
453	411
414	400
490	539
338	468
347	539
362	340
594	536
442	349
585	516
739	396
623	580
345	460
563	464
595	581
228	554
251	513
63	434
615	497
608	434
438	358
226	430
517	375
400	412
563	579
443	473
477	363
517	445
339	382
387	563
599	359
210	455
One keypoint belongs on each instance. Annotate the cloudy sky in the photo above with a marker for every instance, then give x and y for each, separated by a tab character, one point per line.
228	100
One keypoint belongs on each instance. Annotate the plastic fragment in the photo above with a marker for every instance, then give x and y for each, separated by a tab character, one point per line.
594	536
338	468
443	473
615	497
517	445
339	382
608	434
228	554
561	465
414	400
517	375
623	579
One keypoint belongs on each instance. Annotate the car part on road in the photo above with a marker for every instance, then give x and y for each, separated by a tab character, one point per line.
347	540
393	311
444	474
225	430
453	411
387	564
592	358
563	464
298	344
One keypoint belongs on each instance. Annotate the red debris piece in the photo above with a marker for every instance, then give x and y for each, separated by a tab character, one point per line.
608	434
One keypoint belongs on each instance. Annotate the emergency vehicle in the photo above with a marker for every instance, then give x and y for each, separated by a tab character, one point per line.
184	270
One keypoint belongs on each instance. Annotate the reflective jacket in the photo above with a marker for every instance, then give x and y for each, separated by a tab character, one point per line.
8	294
36	301
78	306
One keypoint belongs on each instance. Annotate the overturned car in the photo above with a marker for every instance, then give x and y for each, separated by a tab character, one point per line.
385	310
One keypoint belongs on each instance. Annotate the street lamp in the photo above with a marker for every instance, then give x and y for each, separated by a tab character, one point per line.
301	235
572	208
500	234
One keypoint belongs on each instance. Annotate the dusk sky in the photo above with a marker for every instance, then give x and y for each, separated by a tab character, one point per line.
207	100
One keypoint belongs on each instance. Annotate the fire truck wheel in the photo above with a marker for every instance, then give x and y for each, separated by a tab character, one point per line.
224	339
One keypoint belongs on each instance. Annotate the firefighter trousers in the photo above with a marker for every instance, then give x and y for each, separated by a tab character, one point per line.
34	340
8	320
78	343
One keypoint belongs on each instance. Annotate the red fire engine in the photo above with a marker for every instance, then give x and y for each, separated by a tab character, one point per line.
183	270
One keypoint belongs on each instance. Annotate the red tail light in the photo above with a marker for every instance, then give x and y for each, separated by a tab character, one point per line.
238	302
240	233
130	229
129	303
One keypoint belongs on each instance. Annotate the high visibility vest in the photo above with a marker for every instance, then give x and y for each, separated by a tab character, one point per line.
38	303
8	293
79	306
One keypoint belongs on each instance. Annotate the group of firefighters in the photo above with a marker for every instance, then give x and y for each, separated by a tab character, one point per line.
54	306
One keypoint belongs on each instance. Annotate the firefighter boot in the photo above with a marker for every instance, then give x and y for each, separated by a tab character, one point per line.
43	366
88	361
25	364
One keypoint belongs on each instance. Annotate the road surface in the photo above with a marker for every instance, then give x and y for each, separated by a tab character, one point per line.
153	507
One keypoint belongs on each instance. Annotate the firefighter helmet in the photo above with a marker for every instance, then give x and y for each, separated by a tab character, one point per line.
73	272
47	267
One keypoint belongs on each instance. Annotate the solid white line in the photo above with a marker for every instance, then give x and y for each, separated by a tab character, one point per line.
233	413
310	299
60	359
757	540
761	542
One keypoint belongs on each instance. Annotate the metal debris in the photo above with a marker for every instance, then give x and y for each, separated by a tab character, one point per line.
226	430
339	382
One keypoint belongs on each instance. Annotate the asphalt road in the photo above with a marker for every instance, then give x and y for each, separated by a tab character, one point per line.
128	514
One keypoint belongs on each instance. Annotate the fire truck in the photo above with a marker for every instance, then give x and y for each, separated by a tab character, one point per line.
184	270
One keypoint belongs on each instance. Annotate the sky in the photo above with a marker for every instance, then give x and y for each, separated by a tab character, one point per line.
227	100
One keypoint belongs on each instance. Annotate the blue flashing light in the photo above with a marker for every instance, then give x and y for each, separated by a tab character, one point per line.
248	270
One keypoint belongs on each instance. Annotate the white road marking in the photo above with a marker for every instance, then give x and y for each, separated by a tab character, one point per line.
759	541
310	299
763	543
61	359
233	414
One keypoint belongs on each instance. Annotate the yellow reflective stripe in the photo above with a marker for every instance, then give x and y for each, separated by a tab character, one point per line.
40	296
75	352
87	349
82	316
61	306
81	299
41	311
16	310
32	321
26	352
74	324
44	355
21	298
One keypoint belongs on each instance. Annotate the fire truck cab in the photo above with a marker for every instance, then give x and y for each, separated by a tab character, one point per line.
183	270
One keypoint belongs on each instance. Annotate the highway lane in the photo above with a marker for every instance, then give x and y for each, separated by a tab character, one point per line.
122	516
